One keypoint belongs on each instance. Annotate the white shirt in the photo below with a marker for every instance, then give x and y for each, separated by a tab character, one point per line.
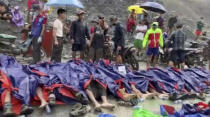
59	26
140	35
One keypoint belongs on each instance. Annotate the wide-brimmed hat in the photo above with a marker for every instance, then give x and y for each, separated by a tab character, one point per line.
80	12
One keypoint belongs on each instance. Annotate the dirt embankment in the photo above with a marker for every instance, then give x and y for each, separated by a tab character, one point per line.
189	10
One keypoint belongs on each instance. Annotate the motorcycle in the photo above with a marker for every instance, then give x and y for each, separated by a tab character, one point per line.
193	55
8	46
128	54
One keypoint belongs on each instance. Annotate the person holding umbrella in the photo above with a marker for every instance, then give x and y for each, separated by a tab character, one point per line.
154	40
79	33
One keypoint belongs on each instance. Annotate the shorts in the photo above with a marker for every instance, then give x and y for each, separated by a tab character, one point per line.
208	53
137	43
153	52
198	33
97	89
78	47
177	56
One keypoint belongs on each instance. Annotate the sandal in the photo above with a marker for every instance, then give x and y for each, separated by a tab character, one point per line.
26	110
79	112
8	112
123	103
76	106
98	109
52	99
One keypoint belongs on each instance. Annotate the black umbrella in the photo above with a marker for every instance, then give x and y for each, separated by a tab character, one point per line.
153	6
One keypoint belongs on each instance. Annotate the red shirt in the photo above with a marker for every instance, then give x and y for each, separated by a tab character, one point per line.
39	16
92	30
31	2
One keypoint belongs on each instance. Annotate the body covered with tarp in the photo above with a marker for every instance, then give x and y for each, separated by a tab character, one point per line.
68	79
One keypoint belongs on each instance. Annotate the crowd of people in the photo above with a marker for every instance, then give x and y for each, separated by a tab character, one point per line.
145	35
154	31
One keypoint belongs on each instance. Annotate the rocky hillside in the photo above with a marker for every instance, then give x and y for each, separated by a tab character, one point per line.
188	10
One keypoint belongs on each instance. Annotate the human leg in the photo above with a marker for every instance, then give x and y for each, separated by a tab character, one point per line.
91	54
36	50
99	54
155	53
141	95
181	55
172	59
75	48
8	112
136	91
155	61
102	93
148	61
57	51
126	96
41	97
82	50
149	56
93	99
105	103
209	64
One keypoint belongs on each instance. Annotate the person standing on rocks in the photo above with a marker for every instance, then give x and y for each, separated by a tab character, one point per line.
199	29
38	28
58	27
79	33
118	39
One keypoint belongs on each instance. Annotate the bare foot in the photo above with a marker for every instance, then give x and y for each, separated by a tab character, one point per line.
138	94
108	105
163	96
148	95
43	104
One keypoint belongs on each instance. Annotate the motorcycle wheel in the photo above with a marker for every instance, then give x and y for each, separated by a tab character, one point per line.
134	62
